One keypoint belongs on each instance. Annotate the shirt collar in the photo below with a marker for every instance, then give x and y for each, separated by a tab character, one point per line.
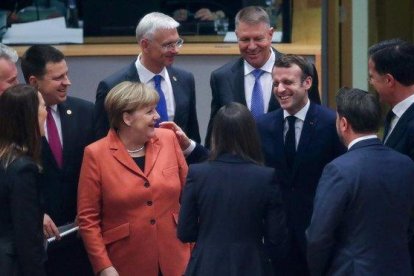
402	106
267	67
301	114
54	108
145	75
359	139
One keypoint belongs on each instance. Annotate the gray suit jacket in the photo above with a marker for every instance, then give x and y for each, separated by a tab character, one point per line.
183	87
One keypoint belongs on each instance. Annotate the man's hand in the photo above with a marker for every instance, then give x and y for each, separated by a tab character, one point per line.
49	228
183	140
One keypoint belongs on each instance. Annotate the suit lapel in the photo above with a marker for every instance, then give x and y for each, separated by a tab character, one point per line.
151	154
236	81
273	103
176	84
400	127
121	155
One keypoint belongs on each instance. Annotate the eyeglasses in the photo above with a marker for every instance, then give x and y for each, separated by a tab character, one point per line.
171	46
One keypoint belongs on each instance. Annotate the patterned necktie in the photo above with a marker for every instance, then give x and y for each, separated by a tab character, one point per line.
257	105
290	141
388	119
162	104
53	138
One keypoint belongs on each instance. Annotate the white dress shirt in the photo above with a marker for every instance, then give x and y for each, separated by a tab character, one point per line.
147	76
300	119
265	80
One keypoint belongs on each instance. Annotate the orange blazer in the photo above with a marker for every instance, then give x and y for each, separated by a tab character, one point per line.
128	218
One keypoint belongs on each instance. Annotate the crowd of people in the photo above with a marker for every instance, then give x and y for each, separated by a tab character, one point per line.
282	186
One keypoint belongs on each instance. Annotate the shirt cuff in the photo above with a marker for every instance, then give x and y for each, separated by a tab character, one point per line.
190	148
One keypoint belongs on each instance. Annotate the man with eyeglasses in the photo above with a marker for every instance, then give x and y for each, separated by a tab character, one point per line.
8	70
248	79
159	41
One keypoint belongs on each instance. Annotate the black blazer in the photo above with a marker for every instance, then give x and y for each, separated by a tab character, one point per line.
362	214
59	186
402	137
228	206
183	87
227	85
21	219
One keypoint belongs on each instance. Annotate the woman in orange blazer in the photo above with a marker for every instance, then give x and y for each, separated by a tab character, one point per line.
129	190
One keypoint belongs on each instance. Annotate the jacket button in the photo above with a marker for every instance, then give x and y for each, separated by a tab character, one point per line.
149	203
146	184
152	221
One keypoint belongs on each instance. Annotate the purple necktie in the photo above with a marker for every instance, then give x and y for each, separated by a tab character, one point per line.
53	138
257	105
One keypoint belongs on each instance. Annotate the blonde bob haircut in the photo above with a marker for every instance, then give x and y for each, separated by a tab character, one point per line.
127	97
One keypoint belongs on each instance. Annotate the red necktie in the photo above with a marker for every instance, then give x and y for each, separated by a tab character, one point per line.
53	135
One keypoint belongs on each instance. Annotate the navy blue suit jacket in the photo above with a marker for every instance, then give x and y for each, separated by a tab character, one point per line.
362	213
183	87
60	185
318	145
402	137
227	85
228	206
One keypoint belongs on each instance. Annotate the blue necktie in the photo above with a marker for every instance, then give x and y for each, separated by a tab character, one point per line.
162	103
257	105
290	141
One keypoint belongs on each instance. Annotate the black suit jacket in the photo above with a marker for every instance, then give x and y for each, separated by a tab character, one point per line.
228	206
183	87
59	186
21	220
402	137
318	145
362	212
227	85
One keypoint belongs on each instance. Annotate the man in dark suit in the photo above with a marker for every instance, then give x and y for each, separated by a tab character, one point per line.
68	130
236	81
158	39
364	200
8	70
391	73
298	140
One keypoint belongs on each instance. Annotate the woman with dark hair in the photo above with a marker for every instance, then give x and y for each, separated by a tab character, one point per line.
22	117
231	206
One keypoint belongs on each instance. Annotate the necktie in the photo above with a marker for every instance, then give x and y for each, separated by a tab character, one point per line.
162	103
257	106
290	141
53	138
388	119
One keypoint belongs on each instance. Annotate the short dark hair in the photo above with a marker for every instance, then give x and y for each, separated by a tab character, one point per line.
361	109
395	57
36	58
286	61
235	132
19	124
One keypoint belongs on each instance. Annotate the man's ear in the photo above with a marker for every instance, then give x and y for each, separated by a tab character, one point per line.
33	81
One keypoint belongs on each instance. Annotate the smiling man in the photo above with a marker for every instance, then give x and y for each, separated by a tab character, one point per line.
248	79
159	41
68	130
8	70
298	140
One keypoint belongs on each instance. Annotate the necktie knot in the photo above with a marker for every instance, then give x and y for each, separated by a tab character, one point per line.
257	73
291	121
157	80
